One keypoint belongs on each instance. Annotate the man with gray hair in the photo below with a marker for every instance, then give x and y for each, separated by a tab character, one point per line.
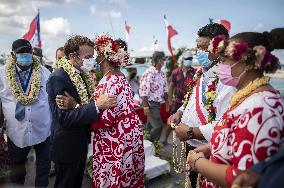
153	90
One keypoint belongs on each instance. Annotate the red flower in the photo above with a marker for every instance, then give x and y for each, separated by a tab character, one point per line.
211	87
216	40
239	50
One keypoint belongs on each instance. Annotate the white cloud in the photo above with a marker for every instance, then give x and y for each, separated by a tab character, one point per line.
259	27
93	9
55	26
112	14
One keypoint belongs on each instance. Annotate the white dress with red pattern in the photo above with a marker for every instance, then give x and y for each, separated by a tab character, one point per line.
250	132
118	152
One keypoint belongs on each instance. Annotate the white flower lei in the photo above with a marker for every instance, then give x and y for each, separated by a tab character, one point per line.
14	86
78	81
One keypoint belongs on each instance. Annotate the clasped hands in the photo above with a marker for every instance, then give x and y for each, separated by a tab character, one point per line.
202	152
104	101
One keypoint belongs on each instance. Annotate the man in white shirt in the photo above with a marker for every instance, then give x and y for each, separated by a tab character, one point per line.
192	119
26	110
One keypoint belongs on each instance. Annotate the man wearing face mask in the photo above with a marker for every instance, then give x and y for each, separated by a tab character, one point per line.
24	102
195	122
180	78
70	130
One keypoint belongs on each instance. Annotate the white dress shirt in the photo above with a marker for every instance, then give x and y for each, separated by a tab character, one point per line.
221	102
35	127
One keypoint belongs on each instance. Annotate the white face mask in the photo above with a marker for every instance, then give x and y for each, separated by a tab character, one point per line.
88	65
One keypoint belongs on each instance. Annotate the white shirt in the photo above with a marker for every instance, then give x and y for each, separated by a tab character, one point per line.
35	127
221	102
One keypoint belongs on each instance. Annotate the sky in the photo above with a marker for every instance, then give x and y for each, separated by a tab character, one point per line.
62	18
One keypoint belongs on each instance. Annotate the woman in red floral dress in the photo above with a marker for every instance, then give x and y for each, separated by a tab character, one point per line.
118	152
252	130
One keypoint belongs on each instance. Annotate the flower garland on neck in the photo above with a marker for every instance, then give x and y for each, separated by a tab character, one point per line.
85	94
210	97
191	85
15	87
253	85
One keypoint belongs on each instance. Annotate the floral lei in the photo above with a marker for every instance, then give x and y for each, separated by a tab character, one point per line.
85	94
210	97
191	85
253	85
14	86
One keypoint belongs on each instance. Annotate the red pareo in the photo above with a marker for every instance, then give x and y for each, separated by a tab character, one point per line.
118	152
250	132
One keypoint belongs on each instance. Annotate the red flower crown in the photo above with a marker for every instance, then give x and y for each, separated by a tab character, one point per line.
105	45
239	51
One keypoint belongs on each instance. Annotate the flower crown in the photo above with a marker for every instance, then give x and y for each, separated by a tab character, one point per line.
112	50
239	51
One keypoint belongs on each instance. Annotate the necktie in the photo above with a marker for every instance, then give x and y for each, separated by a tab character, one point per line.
20	112
24	79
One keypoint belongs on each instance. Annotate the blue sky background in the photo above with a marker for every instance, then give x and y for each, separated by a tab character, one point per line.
62	18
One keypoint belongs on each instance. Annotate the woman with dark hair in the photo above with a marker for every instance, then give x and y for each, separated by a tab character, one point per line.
252	129
118	152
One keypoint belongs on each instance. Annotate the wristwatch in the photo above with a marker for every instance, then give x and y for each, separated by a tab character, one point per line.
190	133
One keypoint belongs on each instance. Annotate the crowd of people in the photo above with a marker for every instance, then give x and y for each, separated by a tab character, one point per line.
226	111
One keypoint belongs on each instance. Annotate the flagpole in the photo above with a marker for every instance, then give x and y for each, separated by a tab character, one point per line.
110	21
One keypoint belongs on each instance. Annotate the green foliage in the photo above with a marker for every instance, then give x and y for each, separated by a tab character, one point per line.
170	160
89	166
171	65
145	132
157	147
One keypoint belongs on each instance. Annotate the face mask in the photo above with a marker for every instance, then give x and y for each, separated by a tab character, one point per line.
98	67
203	59
187	63
88	65
24	59
225	75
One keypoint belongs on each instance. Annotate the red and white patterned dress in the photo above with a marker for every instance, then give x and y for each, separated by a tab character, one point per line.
118	152
250	132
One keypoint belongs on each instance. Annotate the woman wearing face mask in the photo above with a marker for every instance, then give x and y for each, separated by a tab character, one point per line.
118	153
252	129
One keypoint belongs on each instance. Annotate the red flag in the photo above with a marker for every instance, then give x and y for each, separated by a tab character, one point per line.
170	32
127	31
225	23
33	35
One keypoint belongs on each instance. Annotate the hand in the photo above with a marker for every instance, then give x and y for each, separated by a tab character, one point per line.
205	149
192	157
105	101
175	118
65	101
181	132
247	178
146	111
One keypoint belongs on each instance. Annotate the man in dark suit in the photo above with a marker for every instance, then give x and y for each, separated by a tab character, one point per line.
268	173
70	132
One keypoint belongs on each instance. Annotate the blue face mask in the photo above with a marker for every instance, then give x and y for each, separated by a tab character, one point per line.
24	59
97	67
187	63
203	59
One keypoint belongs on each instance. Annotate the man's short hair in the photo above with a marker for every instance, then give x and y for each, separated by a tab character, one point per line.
157	55
73	43
37	51
212	30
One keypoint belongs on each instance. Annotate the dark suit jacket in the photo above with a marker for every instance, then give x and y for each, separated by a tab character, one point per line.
272	171
70	129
